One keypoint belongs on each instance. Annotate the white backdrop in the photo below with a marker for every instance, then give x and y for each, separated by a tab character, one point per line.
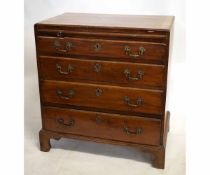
41	9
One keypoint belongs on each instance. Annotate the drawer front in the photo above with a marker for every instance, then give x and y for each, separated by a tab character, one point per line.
102	125
127	50
130	74
102	96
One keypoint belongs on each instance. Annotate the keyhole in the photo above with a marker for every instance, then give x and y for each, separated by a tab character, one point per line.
98	92
97	47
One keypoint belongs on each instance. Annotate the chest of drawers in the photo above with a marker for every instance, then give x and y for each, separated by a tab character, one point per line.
103	78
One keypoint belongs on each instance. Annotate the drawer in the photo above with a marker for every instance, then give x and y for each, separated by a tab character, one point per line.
126	50
102	125
129	74
102	96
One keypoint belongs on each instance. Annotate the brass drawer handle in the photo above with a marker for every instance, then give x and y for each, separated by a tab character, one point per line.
69	70
138	101
57	46
70	123
139	76
139	53
70	94
126	129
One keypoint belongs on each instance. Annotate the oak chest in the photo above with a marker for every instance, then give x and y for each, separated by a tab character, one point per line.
103	78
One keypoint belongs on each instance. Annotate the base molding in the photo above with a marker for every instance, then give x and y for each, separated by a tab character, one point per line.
158	152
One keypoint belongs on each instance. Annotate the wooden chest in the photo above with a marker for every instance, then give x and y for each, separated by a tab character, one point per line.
103	78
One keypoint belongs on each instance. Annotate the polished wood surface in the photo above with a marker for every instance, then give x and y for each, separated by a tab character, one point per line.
158	152
109	72
108	48
106	20
103	33
103	78
103	125
112	97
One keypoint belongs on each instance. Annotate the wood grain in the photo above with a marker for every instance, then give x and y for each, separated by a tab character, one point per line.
112	97
103	125
113	21
138	35
109	48
158	152
108	72
97	110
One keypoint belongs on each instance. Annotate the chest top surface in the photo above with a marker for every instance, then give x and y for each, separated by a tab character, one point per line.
112	21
